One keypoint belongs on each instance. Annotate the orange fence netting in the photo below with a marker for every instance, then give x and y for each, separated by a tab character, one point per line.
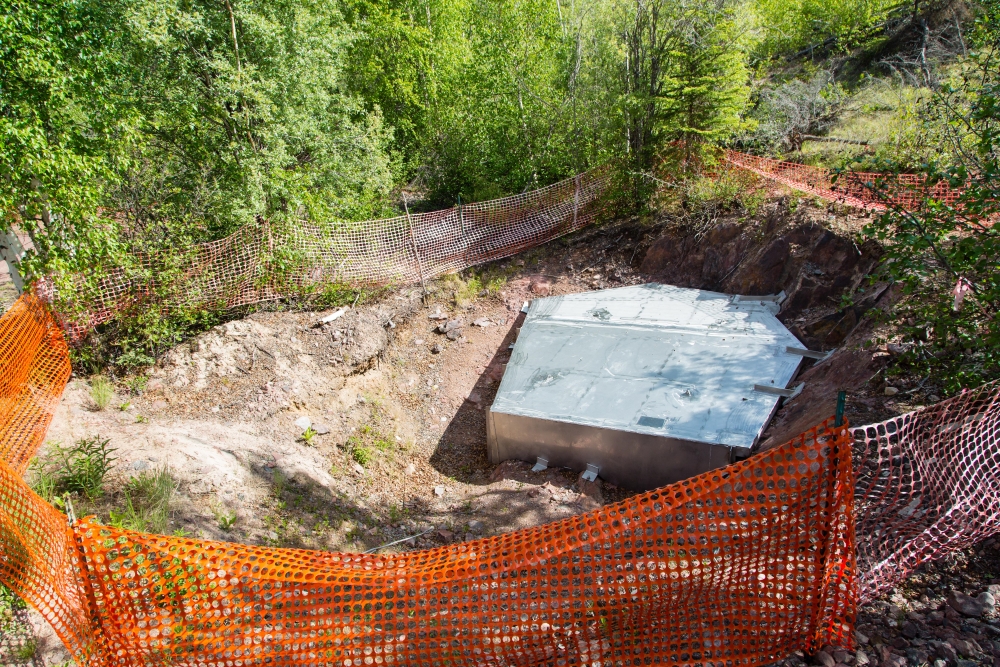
258	263
868	191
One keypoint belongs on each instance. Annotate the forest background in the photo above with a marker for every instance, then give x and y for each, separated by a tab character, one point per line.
140	125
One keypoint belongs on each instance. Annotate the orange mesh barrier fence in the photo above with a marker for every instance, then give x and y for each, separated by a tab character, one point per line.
38	556
259	263
856	189
927	486
740	565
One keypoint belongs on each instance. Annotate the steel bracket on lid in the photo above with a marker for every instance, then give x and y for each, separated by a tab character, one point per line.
809	354
778	391
540	464
590	474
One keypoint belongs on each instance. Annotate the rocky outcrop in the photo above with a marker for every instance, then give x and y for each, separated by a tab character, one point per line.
780	250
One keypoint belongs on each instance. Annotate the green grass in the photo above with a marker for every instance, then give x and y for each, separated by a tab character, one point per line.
101	391
146	503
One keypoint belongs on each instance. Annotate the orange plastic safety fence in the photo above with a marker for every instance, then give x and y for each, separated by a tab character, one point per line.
258	263
39	559
740	565
868	191
927	486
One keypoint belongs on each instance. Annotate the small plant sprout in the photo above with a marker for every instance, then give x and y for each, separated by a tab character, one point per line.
225	517
101	391
125	406
361	455
139	419
308	435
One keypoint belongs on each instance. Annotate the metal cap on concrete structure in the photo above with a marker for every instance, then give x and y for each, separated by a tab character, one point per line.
651	383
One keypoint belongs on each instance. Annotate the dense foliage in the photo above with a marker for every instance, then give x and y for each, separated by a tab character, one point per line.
141	124
144	125
945	257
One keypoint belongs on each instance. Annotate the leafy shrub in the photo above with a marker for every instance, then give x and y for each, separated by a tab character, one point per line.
147	503
362	455
101	391
944	257
77	469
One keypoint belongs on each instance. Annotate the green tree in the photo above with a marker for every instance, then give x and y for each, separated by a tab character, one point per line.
684	75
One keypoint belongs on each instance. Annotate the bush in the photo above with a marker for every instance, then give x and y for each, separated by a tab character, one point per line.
943	256
77	469
362	455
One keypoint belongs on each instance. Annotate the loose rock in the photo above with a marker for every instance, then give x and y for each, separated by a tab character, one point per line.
891	391
439	491
968	605
825	659
964	647
302	423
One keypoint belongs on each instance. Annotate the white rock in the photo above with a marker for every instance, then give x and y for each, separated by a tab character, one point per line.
335	315
438	491
891	391
410	469
358	469
483	322
302	423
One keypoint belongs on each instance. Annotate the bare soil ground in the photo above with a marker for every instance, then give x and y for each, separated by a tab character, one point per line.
399	411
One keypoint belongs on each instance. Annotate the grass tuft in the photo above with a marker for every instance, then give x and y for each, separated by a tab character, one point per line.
101	391
147	503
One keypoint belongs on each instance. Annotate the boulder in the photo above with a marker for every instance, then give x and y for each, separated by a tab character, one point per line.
968	605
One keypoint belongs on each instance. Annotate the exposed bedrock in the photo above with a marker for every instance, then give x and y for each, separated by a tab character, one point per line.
813	257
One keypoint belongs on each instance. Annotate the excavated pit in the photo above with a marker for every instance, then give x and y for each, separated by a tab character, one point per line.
399	408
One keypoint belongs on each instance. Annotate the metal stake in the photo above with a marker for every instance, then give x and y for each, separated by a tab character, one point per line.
413	239
841	405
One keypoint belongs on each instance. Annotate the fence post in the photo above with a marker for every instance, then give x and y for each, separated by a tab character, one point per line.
576	197
413	239
11	251
461	216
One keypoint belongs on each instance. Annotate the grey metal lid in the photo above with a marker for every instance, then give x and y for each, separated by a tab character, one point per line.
653	359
